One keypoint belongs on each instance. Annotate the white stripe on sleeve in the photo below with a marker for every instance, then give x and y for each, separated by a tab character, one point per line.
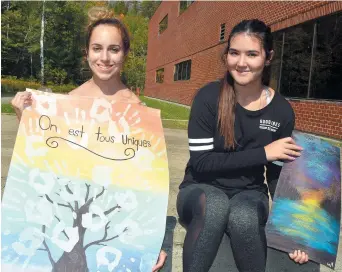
201	147
201	141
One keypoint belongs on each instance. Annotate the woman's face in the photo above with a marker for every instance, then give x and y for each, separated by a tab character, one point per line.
246	59
105	53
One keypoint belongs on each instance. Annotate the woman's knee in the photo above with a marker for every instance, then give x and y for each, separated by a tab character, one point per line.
247	216
202	201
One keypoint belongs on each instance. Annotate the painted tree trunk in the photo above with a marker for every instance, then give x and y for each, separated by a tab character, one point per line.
74	261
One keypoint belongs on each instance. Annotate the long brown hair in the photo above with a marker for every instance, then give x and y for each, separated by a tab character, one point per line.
227	97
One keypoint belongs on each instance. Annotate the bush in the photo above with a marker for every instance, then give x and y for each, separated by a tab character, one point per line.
13	85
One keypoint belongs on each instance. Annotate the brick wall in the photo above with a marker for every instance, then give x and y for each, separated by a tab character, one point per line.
194	35
318	117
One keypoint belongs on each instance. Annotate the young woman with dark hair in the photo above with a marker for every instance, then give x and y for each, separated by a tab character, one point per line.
237	126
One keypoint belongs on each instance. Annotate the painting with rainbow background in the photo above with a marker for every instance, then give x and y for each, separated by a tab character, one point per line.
87	188
306	210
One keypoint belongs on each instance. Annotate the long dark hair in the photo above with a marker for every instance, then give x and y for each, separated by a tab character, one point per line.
227	98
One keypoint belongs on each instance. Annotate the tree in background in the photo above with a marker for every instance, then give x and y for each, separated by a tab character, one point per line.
64	39
20	25
148	8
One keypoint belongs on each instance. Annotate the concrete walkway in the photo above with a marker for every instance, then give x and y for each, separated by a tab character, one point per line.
178	155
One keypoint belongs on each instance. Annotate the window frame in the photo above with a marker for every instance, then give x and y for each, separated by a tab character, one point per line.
186	6
222	32
161	23
179	70
314	24
159	78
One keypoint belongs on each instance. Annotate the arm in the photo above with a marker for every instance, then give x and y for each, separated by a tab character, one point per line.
201	131
273	169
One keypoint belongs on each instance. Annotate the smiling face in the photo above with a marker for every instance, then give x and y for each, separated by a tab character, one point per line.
106	52
246	59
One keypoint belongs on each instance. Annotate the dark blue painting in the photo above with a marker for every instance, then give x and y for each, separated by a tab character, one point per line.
306	209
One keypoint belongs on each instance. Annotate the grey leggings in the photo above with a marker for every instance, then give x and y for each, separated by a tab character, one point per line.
208	213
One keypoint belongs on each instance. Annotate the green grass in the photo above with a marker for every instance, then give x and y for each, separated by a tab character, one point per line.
7	108
175	124
168	111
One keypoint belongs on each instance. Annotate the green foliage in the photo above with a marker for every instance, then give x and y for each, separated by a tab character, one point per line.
134	69
20	38
148	8
64	39
120	7
12	85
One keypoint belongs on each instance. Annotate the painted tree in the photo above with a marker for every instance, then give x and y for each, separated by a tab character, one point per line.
90	209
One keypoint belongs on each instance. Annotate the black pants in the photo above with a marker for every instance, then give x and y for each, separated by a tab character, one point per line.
208	214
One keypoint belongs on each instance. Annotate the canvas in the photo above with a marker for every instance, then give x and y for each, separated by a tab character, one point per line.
87	188
306	209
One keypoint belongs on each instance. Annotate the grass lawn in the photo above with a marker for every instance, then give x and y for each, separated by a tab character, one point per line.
7	108
178	114
168	110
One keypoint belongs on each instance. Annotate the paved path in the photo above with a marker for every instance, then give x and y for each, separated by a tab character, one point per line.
178	155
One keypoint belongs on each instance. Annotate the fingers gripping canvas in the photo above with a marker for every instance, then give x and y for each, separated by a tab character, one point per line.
87	187
306	210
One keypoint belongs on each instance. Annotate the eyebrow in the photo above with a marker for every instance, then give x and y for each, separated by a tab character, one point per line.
248	51
97	44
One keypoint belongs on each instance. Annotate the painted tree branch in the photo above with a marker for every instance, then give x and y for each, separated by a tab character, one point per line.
109	211
66	235
104	238
47	248
89	201
68	189
112	209
59	204
87	194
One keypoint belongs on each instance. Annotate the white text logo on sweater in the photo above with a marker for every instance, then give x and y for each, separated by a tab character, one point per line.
269	125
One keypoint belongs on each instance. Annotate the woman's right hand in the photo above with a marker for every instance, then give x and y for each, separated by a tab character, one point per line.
20	101
283	149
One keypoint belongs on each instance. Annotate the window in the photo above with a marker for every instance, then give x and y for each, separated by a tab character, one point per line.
277	60
308	59
183	5
163	24
182	70
327	62
160	75
222	32
296	61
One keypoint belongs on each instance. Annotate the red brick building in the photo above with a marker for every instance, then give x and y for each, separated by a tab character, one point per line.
186	40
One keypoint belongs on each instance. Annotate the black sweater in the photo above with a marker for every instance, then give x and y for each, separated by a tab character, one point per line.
243	167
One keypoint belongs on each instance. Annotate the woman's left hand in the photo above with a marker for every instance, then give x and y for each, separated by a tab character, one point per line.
160	262
299	256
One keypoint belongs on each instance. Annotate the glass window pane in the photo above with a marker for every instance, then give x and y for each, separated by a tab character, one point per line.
326	80
184	70
163	24
189	70
297	60
276	61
